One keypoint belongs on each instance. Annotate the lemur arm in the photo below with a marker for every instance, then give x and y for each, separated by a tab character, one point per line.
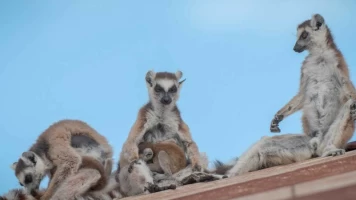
294	105
192	148
129	151
348	87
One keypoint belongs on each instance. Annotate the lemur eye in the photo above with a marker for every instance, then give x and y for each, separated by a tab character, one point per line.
28	179
304	34
158	88
173	89
21	184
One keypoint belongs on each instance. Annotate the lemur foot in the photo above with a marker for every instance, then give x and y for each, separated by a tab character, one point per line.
314	143
198	177
275	122
353	110
152	188
334	152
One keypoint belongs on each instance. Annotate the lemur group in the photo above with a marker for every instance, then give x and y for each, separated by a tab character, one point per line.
160	153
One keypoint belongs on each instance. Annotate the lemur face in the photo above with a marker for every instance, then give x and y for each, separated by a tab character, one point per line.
165	91
310	33
164	87
29	170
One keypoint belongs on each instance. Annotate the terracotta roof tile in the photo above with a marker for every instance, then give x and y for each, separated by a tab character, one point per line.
301	181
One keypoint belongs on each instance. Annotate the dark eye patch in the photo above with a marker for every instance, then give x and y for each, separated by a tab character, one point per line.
304	35
158	88
173	89
21	184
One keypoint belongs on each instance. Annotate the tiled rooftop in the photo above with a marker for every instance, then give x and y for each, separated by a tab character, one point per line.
318	178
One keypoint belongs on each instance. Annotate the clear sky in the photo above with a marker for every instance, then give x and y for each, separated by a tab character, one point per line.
87	60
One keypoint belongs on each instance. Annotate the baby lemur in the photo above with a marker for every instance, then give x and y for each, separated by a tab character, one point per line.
62	149
326	94
327	98
163	157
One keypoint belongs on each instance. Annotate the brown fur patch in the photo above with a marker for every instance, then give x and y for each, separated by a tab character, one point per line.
165	75
91	163
178	160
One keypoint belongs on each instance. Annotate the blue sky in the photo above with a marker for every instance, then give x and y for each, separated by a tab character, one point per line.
87	60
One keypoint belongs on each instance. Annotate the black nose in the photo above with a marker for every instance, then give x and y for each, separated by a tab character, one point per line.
298	48
166	100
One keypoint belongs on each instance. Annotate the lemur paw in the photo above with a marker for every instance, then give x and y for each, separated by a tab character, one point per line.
353	110
199	177
275	122
152	188
334	152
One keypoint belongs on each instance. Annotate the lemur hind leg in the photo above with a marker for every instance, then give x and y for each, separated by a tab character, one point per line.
165	162
334	141
77	185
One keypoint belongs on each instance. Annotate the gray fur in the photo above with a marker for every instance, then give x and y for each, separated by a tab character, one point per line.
135	178
323	90
273	151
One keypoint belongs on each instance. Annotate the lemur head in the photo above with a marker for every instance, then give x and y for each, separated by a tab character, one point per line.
146	154
164	87
312	33
29	170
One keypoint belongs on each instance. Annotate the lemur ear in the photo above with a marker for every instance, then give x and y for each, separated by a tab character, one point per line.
29	156
13	166
150	75
317	21
179	75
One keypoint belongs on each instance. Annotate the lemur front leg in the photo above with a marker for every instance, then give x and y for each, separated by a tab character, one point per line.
191	146
291	107
130	149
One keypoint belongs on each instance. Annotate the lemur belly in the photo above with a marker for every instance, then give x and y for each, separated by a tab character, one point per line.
322	93
86	146
162	133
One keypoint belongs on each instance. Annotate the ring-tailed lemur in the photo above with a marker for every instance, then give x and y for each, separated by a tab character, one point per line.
59	152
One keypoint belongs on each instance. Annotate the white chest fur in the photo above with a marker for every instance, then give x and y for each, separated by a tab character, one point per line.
161	126
322	77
